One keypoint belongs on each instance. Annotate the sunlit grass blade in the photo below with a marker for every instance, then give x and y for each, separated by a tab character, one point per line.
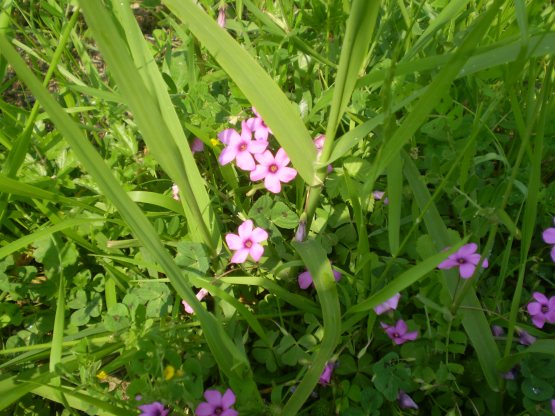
431	97
230	360
473	318
262	91
315	259
146	94
152	198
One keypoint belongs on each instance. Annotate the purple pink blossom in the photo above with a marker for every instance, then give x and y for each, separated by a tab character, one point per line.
257	125
388	305
525	338
200	296
305	279
319	144
246	242
542	310
399	332
197	145
553	406
378	195
325	378
153	409
466	259
405	401
240	147
221	17
549	237
217	404
175	192
273	170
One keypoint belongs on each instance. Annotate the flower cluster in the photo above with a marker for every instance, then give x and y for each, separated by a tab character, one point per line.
466	259
399	332
247	152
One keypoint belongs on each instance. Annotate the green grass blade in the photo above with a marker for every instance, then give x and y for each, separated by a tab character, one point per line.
272	104
541	346
394	193
315	259
146	94
152	198
231	361
473	318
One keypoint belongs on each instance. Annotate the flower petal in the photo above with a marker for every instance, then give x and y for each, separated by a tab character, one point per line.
230	412
305	280
401	326
549	236
553	253
272	183
227	155
534	308
226	135
240	256
257	146
245	161
467	249
286	174
259	173
281	157
234	242
228	398
214	397
448	263
245	229
266	158
467	270
204	409
258	235
411	336
538	320
540	297
256	251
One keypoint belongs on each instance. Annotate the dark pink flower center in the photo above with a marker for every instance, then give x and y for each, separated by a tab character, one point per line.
545	309
461	260
273	168
218	410
242	147
248	244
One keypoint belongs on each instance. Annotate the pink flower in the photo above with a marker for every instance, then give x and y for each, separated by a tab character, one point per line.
247	242
221	17
273	170
257	125
325	378
398	333
497	331
175	192
378	195
466	259
200	296
305	279
197	145
543	310
524	337
240	147
153	409
388	305
319	144
405	401
549	237
217	404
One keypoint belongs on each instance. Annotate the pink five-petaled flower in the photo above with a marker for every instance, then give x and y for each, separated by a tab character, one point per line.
240	147
247	242
405	401
549	237
273	170
325	377
305	279
217	404
153	409
398	333
466	259
257	125
542	310
388	305
200	296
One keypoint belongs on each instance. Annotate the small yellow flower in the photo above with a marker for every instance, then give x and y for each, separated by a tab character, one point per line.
102	375
215	142
169	372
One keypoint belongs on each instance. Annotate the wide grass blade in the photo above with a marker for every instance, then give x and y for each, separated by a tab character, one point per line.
315	259
262	91
473	318
230	359
143	88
